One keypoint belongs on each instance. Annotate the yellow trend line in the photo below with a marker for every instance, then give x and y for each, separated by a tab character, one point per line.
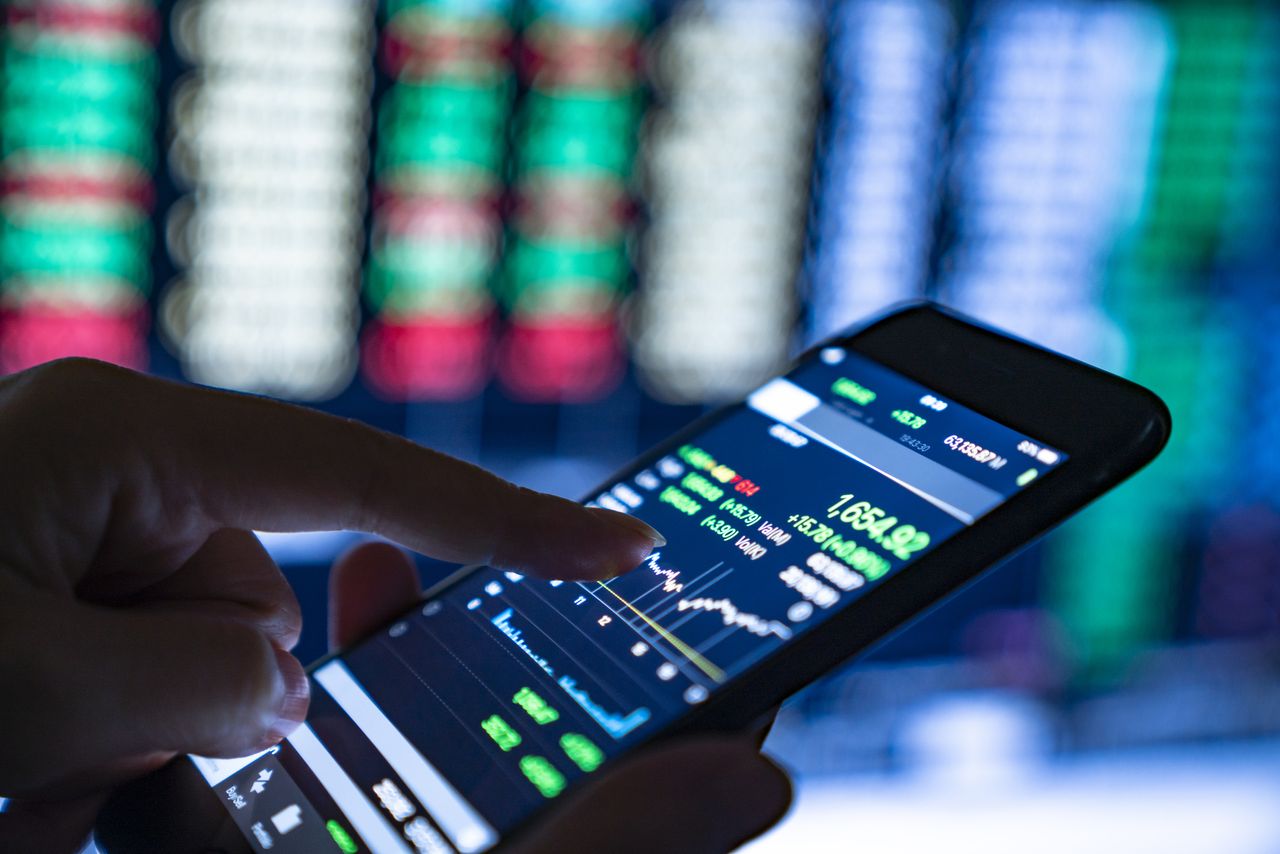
688	652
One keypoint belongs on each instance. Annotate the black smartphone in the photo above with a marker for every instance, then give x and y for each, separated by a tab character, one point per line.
886	469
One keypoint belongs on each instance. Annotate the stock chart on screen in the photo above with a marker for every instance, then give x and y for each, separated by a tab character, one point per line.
461	719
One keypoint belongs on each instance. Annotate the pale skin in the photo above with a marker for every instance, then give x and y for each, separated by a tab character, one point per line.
140	618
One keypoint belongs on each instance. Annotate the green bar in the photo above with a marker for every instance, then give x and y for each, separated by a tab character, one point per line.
30	79
450	102
544	776
503	734
582	751
536	707
535	261
568	149
611	112
432	147
341	838
72	250
87	128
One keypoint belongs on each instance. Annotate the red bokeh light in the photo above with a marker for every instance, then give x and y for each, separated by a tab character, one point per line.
37	333
431	358
558	358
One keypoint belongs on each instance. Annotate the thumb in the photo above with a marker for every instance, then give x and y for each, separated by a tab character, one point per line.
115	691
702	796
48	827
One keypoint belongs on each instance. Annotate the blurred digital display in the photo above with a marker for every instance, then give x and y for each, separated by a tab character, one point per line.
269	134
77	118
1052	139
547	232
438	189
727	175
572	209
878	175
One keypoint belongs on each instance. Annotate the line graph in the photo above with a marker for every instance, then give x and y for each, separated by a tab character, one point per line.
669	576
503	623
695	658
753	623
616	725
672	610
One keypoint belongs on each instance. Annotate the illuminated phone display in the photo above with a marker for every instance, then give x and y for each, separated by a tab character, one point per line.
450	727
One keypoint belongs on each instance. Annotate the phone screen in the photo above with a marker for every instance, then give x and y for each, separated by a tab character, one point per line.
446	730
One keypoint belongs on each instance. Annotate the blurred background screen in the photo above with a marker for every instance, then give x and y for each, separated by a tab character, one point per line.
543	234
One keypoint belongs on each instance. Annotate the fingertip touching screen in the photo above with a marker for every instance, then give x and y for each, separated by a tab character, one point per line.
447	729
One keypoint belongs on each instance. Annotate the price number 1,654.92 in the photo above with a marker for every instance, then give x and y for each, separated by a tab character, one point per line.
899	540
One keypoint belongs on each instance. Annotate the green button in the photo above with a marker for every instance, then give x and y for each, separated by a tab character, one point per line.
543	775
341	837
503	734
582	751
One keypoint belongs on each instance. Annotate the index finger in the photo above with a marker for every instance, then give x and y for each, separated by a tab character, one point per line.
250	462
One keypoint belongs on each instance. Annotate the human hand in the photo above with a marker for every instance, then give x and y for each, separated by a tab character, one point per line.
141	618
707	795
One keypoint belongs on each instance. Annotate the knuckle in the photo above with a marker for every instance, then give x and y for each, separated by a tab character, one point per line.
282	616
72	374
64	394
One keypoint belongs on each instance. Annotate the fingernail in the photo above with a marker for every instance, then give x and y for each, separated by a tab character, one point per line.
631	523
297	696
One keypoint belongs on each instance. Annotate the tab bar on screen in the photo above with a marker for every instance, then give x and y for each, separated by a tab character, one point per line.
965	499
451	811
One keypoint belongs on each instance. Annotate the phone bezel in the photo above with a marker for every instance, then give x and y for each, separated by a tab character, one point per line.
1014	382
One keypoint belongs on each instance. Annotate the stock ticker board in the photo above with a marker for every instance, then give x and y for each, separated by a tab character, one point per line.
627	204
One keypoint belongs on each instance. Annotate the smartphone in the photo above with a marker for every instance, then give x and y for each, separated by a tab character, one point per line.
885	470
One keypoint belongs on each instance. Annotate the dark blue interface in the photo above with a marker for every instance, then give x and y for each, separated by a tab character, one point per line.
450	727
